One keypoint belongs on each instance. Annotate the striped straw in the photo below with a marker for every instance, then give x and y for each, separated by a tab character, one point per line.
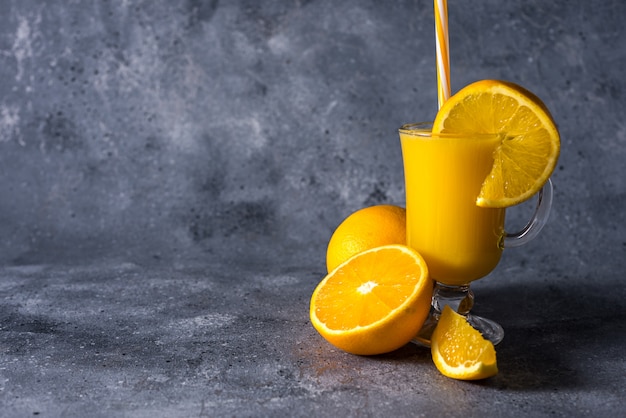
443	55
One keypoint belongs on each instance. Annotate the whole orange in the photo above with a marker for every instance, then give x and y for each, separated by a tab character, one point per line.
365	229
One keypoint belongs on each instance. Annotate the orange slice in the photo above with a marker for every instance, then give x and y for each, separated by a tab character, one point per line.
460	351
530	143
375	302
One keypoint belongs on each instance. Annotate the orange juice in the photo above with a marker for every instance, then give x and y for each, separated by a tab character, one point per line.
460	241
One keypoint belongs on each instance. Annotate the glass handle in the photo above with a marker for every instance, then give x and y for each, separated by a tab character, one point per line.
538	221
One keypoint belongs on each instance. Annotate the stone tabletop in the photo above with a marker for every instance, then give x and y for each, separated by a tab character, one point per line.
171	173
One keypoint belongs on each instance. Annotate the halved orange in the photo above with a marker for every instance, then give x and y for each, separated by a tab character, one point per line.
460	351
375	302
530	143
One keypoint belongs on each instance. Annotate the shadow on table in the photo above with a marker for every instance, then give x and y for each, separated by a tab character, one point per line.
407	353
556	336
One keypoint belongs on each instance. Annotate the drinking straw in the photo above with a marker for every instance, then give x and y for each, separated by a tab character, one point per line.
443	55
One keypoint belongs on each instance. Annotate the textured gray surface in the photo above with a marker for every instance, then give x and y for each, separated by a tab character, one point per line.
170	174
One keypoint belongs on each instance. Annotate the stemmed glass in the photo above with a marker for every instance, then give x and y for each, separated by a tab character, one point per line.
460	241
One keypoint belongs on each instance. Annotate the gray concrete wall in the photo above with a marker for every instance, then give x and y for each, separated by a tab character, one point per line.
169	127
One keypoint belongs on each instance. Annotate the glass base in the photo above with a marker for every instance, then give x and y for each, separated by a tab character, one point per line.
461	300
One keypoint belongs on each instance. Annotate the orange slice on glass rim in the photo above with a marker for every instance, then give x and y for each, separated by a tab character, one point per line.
530	143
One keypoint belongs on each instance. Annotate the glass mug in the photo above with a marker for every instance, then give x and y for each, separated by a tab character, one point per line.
461	242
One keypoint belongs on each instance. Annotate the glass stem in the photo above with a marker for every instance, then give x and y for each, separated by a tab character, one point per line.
459	298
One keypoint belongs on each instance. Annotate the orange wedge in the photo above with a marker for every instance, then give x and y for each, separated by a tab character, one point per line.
530	143
375	302
459	351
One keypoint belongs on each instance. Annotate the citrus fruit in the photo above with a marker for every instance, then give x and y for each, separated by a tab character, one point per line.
530	144
375	302
459	350
366	228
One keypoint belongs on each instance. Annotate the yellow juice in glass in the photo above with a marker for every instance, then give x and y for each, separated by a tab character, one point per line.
460	241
